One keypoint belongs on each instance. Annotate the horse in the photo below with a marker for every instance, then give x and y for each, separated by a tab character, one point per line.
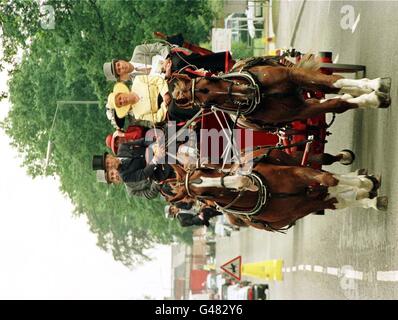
274	195
263	92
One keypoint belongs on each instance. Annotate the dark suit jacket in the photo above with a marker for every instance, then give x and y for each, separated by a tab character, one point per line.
135	168
145	188
187	220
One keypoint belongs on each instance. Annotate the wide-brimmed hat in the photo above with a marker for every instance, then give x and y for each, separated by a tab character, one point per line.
113	118
110	142
110	70
98	162
119	87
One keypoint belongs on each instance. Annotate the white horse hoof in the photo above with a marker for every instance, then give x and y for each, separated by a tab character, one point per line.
385	85
384	99
348	157
382	203
362	172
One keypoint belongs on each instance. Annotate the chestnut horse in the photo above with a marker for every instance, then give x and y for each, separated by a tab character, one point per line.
264	92
275	195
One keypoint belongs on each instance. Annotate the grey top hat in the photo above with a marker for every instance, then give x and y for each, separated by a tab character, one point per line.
98	162
101	176
109	70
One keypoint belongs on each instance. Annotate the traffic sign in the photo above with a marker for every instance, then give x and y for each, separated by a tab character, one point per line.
233	267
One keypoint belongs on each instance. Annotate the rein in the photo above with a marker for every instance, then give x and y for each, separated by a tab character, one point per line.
186	184
261	199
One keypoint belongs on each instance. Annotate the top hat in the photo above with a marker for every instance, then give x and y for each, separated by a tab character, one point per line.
98	162
109	70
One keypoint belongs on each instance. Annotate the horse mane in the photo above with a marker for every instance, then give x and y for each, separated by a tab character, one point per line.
309	62
247	63
179	86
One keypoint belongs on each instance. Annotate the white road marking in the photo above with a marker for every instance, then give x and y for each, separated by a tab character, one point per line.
391	276
353	274
318	268
354	26
332	271
387	276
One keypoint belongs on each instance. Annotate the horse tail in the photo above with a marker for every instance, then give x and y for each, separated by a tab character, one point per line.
310	62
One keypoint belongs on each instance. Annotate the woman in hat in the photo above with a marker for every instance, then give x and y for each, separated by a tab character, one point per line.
147	100
132	133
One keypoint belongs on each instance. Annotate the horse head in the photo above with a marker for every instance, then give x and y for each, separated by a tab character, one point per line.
178	188
182	93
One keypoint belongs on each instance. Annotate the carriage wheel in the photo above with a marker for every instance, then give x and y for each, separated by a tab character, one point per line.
348	157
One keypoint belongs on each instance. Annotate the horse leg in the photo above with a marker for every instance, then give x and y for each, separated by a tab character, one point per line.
374	99
369	183
364	85
352	197
313	107
345	157
314	80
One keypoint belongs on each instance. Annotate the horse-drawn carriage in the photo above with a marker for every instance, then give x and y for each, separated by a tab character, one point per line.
277	191
301	138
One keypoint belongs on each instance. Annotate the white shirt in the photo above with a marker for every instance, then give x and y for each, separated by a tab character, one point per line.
155	67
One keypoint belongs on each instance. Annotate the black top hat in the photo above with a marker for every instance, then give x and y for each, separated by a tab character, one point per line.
99	162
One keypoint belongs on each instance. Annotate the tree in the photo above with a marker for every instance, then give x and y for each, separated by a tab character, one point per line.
65	63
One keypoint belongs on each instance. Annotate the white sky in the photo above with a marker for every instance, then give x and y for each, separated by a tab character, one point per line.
48	253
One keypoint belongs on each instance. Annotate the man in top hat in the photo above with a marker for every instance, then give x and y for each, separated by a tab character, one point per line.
188	216
147	100
145	188
130	164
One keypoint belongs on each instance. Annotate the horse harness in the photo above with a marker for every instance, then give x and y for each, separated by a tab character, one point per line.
247	76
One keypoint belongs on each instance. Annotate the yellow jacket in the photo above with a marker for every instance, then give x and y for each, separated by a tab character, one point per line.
148	88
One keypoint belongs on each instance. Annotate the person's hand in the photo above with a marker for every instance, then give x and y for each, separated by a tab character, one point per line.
167	68
167	98
119	133
161	151
158	152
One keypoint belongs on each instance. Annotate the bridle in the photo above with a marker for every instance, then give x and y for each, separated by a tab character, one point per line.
253	102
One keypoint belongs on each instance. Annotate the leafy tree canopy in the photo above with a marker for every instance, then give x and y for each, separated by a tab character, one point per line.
65	63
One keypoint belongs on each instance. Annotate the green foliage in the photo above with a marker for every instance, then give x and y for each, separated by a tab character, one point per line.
65	63
241	50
